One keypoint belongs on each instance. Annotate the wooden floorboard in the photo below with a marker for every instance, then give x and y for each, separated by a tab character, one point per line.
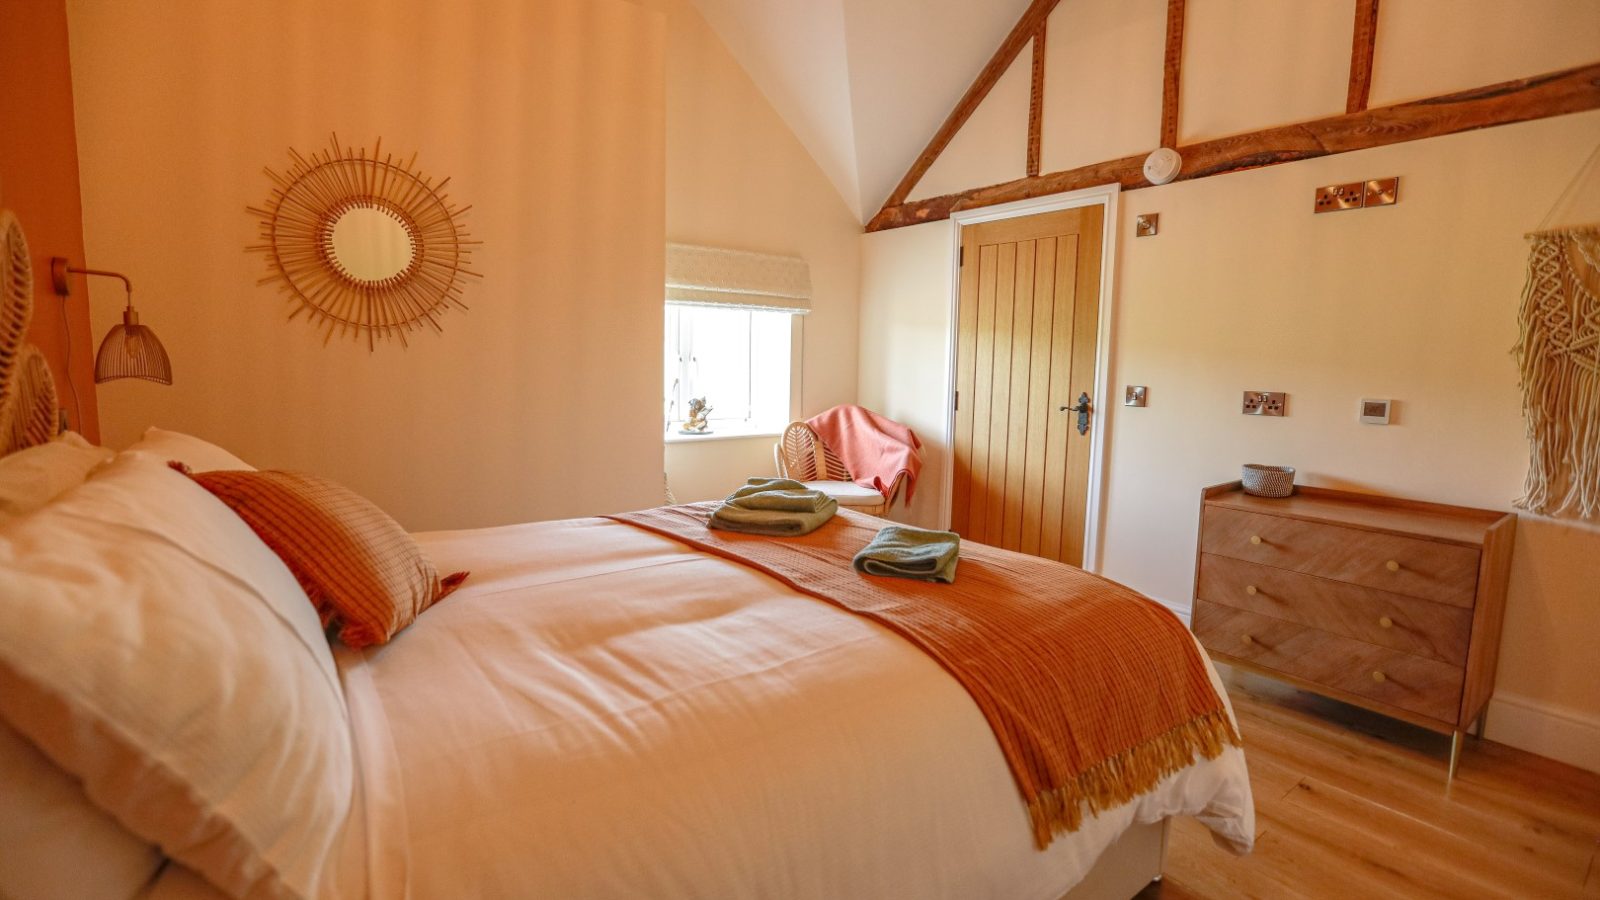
1352	804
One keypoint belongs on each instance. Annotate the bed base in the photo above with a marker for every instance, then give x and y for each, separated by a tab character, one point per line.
1128	865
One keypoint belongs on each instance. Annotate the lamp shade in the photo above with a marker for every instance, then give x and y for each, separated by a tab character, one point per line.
131	350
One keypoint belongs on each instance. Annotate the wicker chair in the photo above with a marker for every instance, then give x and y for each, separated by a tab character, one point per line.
801	455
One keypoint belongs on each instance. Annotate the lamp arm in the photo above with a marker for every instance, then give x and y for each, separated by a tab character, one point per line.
127	285
60	269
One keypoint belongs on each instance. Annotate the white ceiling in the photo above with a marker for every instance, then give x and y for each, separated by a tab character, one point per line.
864	84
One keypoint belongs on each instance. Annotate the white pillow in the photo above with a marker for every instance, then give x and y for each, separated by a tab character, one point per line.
33	477
201	456
54	843
154	647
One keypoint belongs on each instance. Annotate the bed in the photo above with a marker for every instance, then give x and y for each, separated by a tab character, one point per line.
628	717
599	711
603	712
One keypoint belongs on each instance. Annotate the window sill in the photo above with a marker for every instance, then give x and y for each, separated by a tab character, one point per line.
720	434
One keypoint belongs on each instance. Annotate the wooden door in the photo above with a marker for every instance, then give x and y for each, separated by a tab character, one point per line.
1026	342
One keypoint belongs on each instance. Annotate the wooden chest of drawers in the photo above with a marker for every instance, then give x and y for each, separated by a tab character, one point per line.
1392	605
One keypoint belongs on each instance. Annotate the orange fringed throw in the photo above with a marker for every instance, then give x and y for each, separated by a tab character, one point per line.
1094	692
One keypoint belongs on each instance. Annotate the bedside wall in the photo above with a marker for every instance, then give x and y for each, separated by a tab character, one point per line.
538	402
39	182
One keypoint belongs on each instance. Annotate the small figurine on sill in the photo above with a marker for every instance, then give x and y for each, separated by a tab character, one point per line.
699	418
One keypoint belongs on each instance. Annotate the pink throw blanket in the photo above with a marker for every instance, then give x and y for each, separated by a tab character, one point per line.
876	450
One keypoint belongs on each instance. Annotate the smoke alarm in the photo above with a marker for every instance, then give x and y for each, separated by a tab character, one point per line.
1162	166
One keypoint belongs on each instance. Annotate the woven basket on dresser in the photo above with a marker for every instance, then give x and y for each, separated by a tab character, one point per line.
1267	481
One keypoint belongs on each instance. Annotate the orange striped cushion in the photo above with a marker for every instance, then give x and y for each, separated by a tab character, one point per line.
362	571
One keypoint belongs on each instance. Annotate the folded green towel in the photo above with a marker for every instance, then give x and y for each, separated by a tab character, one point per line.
779	494
905	552
779	523
781	507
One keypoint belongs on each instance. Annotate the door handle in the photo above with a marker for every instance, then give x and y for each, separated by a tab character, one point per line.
1082	409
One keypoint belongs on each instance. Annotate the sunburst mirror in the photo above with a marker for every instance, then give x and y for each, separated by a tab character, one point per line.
364	244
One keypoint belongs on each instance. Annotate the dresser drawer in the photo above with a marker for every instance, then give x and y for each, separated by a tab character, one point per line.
1423	686
1421	627
1447	573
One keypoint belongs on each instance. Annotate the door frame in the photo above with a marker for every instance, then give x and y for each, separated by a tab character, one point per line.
1103	195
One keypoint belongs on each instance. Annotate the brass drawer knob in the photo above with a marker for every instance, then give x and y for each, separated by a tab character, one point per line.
1385	622
1255	538
1378	676
1251	590
1247	639
1392	566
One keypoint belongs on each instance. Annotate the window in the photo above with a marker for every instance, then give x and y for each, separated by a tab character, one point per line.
729	329
737	359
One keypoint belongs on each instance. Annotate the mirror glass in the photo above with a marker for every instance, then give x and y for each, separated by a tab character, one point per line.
371	245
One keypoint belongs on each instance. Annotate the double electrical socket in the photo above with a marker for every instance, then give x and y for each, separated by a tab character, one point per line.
1264	403
1357	195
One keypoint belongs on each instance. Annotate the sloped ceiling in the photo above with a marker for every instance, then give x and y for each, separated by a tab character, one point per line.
864	84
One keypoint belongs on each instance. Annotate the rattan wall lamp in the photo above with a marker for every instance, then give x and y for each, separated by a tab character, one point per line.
130	350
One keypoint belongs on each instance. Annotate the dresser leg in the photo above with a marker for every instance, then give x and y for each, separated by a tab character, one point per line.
1483	723
1455	755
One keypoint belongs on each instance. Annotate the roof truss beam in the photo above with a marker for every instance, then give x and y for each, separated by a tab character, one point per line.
1553	94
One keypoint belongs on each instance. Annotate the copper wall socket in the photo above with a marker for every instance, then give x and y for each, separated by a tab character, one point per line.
1335	197
1264	403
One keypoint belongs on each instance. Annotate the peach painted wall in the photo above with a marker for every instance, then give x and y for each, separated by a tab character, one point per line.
548	115
1245	289
39	183
738	177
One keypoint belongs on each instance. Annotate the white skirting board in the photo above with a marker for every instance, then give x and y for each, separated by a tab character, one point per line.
1548	730
1551	731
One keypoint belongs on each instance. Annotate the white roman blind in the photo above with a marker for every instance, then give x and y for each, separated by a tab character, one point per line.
710	276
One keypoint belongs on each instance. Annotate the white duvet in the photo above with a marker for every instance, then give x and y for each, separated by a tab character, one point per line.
604	712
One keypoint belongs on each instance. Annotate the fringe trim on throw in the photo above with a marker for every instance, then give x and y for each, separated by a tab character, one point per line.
1558	355
1117	779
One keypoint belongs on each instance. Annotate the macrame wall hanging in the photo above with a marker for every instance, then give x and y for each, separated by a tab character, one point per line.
1558	353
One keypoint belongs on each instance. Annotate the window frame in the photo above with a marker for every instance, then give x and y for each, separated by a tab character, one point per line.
675	398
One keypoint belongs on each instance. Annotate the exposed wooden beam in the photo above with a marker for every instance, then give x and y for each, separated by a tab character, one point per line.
1361	47
1171	72
1026	27
1553	94
1036	99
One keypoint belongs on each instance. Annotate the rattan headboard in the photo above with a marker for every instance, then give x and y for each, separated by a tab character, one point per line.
27	391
